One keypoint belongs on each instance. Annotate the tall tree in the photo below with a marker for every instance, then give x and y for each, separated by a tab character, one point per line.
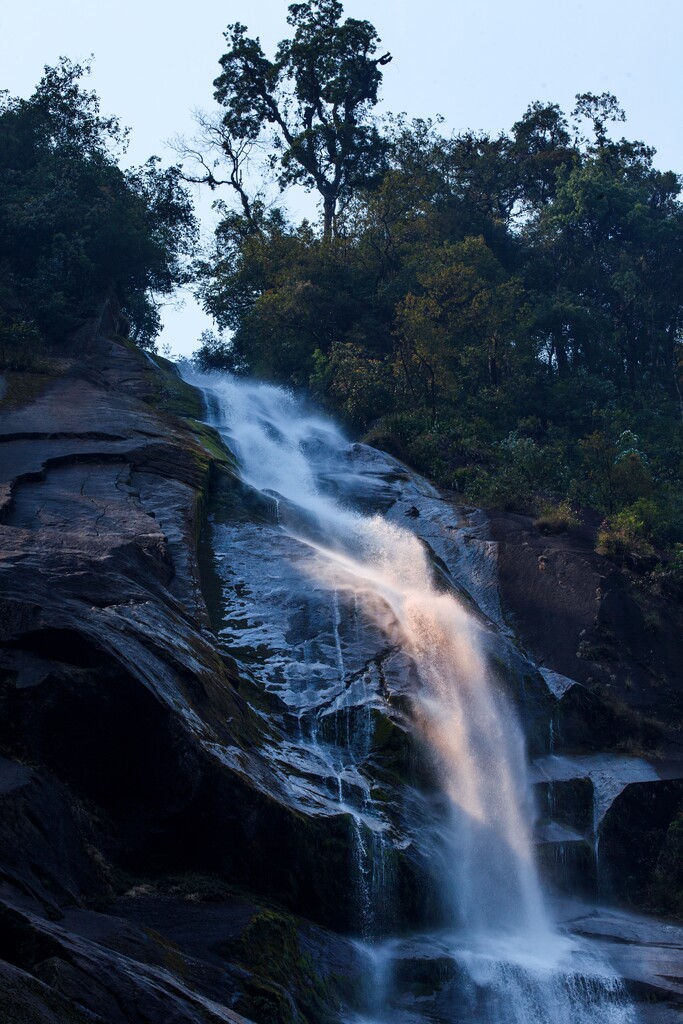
610	254
317	97
466	332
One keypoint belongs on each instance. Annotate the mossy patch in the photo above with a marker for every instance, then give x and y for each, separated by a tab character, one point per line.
173	395
287	988
177	400
23	388
169	392
211	440
392	749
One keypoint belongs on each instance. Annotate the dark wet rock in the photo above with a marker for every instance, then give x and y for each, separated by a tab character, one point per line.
578	614
127	748
648	953
550	588
108	676
632	837
77	978
566	860
52	847
158	956
25	1000
610	648
521	681
621	809
569	802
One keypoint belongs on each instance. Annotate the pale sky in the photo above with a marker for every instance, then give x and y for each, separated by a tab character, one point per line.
477	64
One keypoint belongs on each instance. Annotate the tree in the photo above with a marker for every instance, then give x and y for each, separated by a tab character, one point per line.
609	258
284	293
541	145
467	330
74	226
316	96
496	309
599	110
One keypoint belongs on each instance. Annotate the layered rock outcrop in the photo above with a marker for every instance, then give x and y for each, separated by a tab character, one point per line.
129	758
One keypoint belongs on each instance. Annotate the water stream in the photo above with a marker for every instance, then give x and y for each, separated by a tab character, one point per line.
372	597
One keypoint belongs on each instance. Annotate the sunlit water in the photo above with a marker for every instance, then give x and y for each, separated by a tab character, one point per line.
500	960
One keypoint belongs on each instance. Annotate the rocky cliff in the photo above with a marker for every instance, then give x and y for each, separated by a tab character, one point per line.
154	862
130	768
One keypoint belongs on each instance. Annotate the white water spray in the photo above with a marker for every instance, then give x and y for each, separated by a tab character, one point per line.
501	934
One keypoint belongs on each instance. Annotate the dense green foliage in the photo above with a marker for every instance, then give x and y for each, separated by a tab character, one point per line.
505	313
76	228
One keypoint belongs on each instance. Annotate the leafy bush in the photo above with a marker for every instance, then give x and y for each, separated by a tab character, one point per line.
557	517
623	536
354	381
21	343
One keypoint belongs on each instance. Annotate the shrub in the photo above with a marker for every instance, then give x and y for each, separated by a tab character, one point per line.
668	575
623	537
557	517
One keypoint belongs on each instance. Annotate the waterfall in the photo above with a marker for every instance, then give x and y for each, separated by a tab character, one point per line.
505	961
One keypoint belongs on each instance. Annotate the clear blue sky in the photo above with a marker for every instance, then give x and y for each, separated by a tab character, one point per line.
477	63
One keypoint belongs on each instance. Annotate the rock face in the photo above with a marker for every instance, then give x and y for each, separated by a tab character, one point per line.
581	616
128	753
174	842
611	648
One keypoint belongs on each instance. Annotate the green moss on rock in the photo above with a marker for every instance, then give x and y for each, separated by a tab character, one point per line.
286	987
666	891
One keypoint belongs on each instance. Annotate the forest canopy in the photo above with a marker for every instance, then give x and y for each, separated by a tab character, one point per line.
503	312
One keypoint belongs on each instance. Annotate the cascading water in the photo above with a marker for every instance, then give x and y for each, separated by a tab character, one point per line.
504	961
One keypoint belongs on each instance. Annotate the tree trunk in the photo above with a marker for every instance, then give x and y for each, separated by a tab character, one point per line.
329	214
561	358
493	362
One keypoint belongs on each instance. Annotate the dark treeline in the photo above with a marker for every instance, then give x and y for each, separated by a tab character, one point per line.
504	312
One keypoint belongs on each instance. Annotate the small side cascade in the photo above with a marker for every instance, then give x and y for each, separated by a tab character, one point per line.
337	639
580	791
337	739
362	876
596	857
350	743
